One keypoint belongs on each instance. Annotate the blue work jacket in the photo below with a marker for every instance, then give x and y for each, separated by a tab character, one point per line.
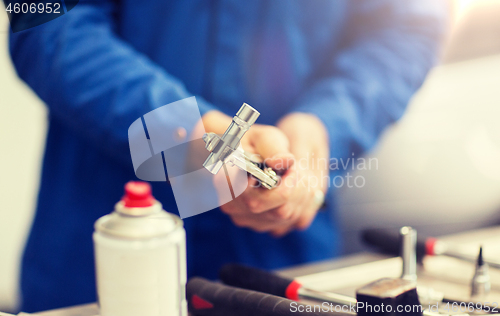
355	64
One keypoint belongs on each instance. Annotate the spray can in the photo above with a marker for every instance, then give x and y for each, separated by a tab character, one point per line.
140	257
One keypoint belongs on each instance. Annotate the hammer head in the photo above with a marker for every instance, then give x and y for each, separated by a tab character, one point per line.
389	297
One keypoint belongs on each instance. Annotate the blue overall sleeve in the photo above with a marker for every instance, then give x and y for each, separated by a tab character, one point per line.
93	81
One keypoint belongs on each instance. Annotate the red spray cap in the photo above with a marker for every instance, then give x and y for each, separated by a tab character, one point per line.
138	194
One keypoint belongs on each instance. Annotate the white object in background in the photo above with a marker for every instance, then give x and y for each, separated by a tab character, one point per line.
140	256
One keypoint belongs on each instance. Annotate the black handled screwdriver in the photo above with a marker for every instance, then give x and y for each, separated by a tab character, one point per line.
258	280
206	298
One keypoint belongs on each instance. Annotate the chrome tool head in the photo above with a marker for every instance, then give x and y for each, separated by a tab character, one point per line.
409	253
224	149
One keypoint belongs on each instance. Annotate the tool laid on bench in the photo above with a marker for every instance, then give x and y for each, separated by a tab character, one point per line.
389	297
408	253
267	282
263	281
388	241
481	284
225	149
385	297
206	298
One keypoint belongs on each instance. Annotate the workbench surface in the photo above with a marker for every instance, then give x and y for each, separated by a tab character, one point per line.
344	275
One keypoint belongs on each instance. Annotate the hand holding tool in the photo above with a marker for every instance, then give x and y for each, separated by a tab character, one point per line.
224	149
207	298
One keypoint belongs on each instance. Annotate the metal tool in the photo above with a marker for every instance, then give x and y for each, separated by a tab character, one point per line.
389	241
409	253
245	277
481	284
389	297
259	280
224	149
214	299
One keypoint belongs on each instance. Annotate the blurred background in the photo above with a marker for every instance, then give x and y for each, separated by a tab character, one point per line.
438	167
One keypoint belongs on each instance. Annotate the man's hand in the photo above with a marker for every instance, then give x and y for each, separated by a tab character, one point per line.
258	208
292	204
308	139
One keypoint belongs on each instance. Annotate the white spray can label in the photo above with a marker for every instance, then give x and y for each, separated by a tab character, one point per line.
140	258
